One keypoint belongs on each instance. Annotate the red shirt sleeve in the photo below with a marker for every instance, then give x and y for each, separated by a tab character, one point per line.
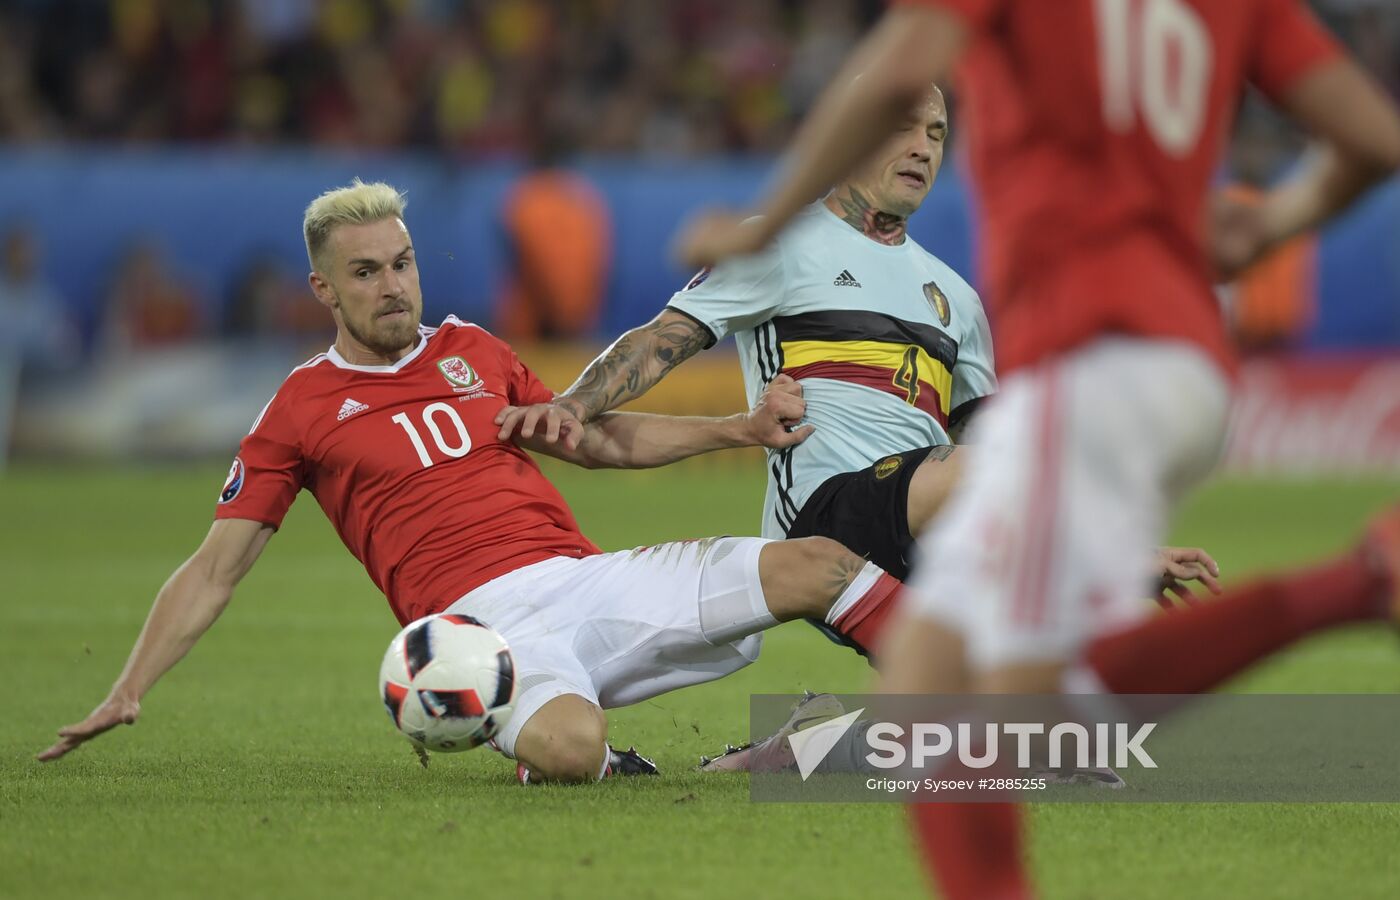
977	12
525	386
267	473
1288	43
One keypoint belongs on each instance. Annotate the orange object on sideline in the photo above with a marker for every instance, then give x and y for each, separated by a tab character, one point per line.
1275	300
560	235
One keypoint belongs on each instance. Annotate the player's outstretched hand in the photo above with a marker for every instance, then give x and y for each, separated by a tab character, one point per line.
1176	566
712	237
554	421
780	407
112	712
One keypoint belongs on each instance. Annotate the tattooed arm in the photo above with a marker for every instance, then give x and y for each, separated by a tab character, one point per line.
634	364
625	371
617	440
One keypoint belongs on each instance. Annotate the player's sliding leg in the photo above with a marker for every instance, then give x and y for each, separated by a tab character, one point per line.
870	511
774	753
819	578
931	661
614	629
633	616
813	578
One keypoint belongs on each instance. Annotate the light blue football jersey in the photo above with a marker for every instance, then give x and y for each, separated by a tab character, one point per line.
887	341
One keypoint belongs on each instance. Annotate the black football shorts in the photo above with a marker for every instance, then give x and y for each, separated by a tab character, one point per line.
867	510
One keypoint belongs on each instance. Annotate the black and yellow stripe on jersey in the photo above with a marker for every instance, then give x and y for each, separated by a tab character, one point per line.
910	360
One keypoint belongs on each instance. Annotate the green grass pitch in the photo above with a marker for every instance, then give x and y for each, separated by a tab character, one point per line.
264	765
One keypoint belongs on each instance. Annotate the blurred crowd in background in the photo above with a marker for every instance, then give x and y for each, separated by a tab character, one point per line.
460	76
537	79
466	76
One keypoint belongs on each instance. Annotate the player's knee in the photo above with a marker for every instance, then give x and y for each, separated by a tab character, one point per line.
569	744
572	758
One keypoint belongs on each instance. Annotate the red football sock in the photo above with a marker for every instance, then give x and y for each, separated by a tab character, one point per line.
865	621
972	850
1194	650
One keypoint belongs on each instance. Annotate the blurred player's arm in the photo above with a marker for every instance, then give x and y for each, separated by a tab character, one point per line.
1345	108
634	364
642	441
189	602
908	50
1357	128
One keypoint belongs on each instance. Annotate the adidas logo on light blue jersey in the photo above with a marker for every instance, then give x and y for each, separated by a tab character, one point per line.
846	279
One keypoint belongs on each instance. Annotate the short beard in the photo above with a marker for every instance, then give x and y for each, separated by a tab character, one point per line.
384	346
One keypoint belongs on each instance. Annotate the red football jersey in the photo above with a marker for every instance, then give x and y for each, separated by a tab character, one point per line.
405	463
1095	129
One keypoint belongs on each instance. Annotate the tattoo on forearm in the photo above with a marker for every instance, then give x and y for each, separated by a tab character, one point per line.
676	341
857	211
609	373
632	366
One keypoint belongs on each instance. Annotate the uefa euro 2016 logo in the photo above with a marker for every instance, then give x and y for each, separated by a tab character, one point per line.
234	482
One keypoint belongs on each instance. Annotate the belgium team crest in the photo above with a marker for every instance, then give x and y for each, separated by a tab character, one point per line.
939	302
887	467
461	376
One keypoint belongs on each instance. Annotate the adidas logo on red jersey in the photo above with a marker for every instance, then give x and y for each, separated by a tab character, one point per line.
349	408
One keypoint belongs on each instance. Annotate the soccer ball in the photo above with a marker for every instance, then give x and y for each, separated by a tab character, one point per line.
448	682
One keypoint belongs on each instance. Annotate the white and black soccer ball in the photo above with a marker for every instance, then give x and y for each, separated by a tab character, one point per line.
448	682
